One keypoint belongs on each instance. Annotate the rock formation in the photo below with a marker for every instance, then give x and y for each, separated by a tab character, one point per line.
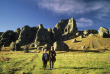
87	32
14	46
7	37
42	36
27	35
70	30
103	32
60	46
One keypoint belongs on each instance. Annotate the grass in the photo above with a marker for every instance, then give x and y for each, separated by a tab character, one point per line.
67	63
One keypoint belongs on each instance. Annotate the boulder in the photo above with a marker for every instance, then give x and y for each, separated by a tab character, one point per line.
81	36
83	47
60	46
74	40
7	37
87	32
12	46
91	34
26	49
18	47
103	32
47	46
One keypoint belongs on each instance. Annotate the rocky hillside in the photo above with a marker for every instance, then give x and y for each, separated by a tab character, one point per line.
65	29
91	42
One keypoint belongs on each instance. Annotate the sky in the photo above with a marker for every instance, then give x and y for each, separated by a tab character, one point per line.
89	14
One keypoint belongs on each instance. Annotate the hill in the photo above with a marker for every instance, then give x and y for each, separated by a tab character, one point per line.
94	42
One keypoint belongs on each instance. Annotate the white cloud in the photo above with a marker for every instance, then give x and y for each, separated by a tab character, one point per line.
74	6
84	22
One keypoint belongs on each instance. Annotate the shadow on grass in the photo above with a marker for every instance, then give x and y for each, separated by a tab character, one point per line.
96	51
80	68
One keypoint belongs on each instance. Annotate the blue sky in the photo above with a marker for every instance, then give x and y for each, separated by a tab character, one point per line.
89	14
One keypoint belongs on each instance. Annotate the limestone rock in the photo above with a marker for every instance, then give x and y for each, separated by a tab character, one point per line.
103	32
7	37
62	24
32	45
27	35
87	32
83	47
74	41
18	30
12	46
26	49
42	36
57	34
18	47
47	46
39	48
71	26
70	30
60	46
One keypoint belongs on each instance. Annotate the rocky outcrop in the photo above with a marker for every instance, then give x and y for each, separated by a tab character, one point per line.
26	49
14	46
57	34
1	33
7	37
103	32
65	29
70	30
27	35
42	36
18	30
60	46
87	32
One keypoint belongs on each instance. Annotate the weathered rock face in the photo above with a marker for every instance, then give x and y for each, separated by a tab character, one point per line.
65	29
87	32
18	30
1	33
70	30
47	46
26	49
71	26
74	41
27	35
62	24
60	46
14	46
57	34
7	37
103	32
42	36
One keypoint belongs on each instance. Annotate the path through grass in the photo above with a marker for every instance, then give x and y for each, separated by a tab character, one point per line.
67	63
